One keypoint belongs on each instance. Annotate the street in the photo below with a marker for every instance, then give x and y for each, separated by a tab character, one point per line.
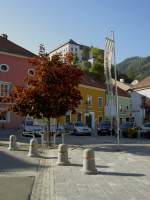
123	172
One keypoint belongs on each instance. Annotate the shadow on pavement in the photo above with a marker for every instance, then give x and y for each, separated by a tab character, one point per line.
12	163
80	165
120	174
46	157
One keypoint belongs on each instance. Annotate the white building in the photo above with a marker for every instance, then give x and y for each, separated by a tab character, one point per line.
140	97
70	46
124	105
82	52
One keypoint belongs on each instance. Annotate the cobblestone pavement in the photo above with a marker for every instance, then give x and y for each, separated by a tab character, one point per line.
122	175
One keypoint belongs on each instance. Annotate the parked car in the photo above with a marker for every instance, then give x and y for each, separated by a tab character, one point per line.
81	129
104	128
129	129
145	130
28	128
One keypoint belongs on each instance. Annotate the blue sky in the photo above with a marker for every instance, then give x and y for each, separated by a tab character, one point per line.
52	22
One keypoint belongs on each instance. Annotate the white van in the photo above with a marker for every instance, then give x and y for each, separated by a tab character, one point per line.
29	128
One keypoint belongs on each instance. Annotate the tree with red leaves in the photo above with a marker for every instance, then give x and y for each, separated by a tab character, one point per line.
52	91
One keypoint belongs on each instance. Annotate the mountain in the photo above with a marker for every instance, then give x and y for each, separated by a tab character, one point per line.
135	67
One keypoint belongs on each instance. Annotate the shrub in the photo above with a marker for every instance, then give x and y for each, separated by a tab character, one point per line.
132	133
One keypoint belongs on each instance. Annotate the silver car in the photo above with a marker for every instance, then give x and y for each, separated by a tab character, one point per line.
145	129
81	129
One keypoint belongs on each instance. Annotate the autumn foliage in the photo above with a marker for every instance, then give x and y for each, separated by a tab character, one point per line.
52	91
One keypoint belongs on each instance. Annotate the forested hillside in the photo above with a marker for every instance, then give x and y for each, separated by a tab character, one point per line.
135	67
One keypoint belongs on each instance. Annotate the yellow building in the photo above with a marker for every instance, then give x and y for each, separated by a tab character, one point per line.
91	109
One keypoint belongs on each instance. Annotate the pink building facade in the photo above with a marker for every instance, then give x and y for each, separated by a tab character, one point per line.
14	67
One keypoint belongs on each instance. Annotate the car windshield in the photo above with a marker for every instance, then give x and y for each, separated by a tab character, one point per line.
79	124
147	125
127	125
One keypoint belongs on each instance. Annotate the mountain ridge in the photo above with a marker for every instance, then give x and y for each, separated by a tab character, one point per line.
135	67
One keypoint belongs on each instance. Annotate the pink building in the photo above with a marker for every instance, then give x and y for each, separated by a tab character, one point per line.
14	67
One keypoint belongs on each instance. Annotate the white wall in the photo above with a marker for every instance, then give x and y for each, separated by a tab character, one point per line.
145	92
75	49
137	111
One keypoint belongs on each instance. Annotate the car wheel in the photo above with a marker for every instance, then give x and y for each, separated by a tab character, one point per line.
74	132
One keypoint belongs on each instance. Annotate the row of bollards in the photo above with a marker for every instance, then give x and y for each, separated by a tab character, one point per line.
33	148
88	155
88	159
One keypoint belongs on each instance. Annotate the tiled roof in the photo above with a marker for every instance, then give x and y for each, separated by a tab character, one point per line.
10	47
122	92
145	83
68	42
121	85
72	42
90	79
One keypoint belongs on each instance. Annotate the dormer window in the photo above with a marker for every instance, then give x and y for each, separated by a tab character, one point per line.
4	68
31	72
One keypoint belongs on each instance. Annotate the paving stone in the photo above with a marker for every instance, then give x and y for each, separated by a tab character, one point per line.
123	175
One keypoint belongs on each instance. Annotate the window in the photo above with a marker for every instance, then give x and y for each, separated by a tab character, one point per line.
4	68
81	101
79	117
121	108
4	116
127	119
31	72
100	102
4	89
120	120
68	120
89	100
71	48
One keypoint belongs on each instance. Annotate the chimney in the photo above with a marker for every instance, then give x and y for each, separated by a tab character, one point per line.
4	35
122	80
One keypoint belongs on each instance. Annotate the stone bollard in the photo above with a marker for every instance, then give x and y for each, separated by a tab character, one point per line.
89	162
12	143
63	155
33	148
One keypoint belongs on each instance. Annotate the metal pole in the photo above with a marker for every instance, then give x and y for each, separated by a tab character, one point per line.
63	138
54	138
111	117
116	91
